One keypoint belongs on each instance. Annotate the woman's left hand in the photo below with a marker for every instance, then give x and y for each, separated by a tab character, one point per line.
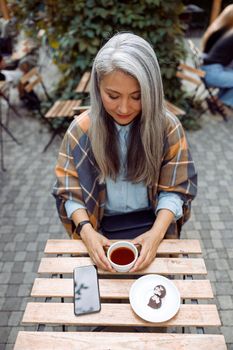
151	239
149	242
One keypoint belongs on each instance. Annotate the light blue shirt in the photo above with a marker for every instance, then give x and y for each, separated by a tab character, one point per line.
124	196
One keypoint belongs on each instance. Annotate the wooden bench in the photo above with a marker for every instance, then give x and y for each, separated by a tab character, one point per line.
115	308
67	109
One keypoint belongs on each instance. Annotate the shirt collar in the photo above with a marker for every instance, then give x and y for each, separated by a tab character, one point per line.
123	129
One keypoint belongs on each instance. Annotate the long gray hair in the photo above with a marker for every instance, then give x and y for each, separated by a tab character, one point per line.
132	55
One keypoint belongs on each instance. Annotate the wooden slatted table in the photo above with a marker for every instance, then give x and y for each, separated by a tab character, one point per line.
177	258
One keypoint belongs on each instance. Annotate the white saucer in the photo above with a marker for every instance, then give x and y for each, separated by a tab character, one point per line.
143	289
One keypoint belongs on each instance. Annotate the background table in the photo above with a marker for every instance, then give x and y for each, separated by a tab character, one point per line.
120	327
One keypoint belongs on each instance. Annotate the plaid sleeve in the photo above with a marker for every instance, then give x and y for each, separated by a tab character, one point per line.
67	183
178	173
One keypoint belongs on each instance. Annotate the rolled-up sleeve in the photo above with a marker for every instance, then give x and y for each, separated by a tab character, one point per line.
72	206
172	202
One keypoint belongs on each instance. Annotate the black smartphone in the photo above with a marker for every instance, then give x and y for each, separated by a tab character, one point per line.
86	290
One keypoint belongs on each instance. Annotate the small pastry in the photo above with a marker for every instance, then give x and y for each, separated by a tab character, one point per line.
160	291
154	302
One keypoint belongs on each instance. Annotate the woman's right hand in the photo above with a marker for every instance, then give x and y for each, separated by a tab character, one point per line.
95	242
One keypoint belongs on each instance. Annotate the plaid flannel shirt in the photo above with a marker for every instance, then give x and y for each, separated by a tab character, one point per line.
77	174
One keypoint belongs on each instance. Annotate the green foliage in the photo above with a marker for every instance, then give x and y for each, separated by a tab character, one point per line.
77	29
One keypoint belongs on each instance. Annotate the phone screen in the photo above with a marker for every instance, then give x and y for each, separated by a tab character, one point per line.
86	290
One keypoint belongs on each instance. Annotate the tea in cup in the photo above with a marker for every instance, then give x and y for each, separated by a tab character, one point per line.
122	255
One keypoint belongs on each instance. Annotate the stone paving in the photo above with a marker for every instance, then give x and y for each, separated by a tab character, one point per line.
28	216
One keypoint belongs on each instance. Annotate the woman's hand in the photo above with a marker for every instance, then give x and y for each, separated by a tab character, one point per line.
151	239
149	242
95	242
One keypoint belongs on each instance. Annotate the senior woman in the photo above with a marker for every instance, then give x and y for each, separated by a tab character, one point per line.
124	169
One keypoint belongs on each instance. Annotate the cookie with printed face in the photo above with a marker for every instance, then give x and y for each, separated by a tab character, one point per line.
154	302
160	291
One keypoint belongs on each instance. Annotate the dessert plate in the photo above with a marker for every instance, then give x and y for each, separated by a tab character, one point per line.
143	289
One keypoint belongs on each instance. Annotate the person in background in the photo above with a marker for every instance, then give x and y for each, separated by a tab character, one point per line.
217	28
219	69
124	156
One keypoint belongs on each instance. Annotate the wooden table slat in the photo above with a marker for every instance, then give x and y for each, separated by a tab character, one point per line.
164	266
116	289
168	246
115	341
117	315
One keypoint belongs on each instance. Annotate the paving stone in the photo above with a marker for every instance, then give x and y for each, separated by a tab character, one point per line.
20	237
226	316
217	243
15	319
32	246
4	334
228	243
4	316
32	228
21	246
12	290
3	289
8	266
224	288
207	243
210	264
8	256
222	254
12	304
4	277
218	225
212	276
222	275
16	277
24	290
225	302
6	229
28	266
10	247
230	262
44	221
20	256
29	277
53	228
31	256
222	264
231	275
21	221
230	253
